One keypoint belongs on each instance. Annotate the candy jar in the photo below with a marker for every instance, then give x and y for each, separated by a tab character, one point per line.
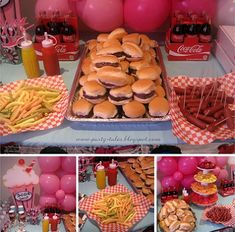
100	176
112	173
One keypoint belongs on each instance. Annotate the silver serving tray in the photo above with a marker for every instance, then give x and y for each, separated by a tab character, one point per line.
75	88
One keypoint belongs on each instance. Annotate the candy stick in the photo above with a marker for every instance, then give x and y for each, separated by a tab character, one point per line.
212	87
216	97
199	106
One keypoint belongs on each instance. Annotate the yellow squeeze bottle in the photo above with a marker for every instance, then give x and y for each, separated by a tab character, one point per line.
45	224
29	58
100	176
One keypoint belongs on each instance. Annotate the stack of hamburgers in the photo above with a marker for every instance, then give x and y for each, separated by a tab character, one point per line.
121	77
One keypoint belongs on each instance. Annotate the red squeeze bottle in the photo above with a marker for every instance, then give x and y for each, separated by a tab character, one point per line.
54	223
50	57
112	173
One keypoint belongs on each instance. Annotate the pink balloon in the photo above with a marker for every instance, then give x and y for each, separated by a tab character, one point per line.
68	183
216	171
69	164
187	181
46	200
181	5
69	203
169	181
60	173
49	164
222	175
221	161
187	165
178	176
49	183
167	166
51	6
231	160
146	15
102	15
226	12
159	187
60	195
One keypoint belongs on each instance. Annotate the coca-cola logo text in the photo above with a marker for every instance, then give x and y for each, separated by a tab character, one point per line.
193	49
23	196
60	48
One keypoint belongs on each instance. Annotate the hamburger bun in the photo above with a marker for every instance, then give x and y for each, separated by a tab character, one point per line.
111	42
134	109
160	91
144	90
102	37
133	37
111	77
121	95
105	110
124	66
158	107
83	79
118	33
105	60
158	81
132	51
92	44
150	73
87	66
92	76
130	79
82	108
93	92
113	49
137	65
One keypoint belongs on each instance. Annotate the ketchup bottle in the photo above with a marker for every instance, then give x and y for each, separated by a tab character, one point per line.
54	223
50	57
112	173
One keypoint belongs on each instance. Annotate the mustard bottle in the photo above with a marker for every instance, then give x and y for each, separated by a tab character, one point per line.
45	224
29	58
100	176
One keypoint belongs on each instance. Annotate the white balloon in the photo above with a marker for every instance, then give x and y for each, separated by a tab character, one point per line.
231	160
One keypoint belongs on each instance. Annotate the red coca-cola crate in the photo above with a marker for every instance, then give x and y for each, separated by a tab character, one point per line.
65	51
190	49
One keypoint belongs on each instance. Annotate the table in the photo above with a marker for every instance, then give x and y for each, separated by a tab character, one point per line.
90	187
203	226
106	134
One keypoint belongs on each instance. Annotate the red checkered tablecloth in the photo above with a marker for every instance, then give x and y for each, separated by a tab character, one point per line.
185	130
141	202
53	119
231	222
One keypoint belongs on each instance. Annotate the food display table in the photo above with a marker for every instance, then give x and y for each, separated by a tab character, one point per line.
206	225
106	134
89	188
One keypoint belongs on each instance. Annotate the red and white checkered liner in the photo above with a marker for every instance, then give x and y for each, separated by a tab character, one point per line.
53	119
231	222
185	130
143	205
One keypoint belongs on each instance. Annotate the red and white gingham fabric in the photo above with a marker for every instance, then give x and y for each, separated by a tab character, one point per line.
143	205
231	222
53	119
185	130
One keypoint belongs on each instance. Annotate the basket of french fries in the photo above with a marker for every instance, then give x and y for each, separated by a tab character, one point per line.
115	208
32	104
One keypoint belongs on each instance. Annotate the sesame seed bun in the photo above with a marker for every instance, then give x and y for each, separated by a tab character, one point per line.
134	109
81	108
158	107
150	73
105	110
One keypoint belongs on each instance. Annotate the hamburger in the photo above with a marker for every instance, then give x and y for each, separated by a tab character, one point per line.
158	107
102	37
149	73
87	66
93	92
120	96
144	90
111	77
83	79
113	49
134	109
105	110
132	51
92	76
82	108
118	33
137	65
160	91
133	37
111	42
105	60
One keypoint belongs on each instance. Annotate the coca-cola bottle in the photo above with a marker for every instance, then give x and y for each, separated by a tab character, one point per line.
191	30
40	28
177	33
54	27
205	33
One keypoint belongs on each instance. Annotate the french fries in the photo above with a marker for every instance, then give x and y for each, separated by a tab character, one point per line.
27	106
115	208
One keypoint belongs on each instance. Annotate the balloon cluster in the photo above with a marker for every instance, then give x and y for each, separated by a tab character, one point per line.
58	182
179	172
